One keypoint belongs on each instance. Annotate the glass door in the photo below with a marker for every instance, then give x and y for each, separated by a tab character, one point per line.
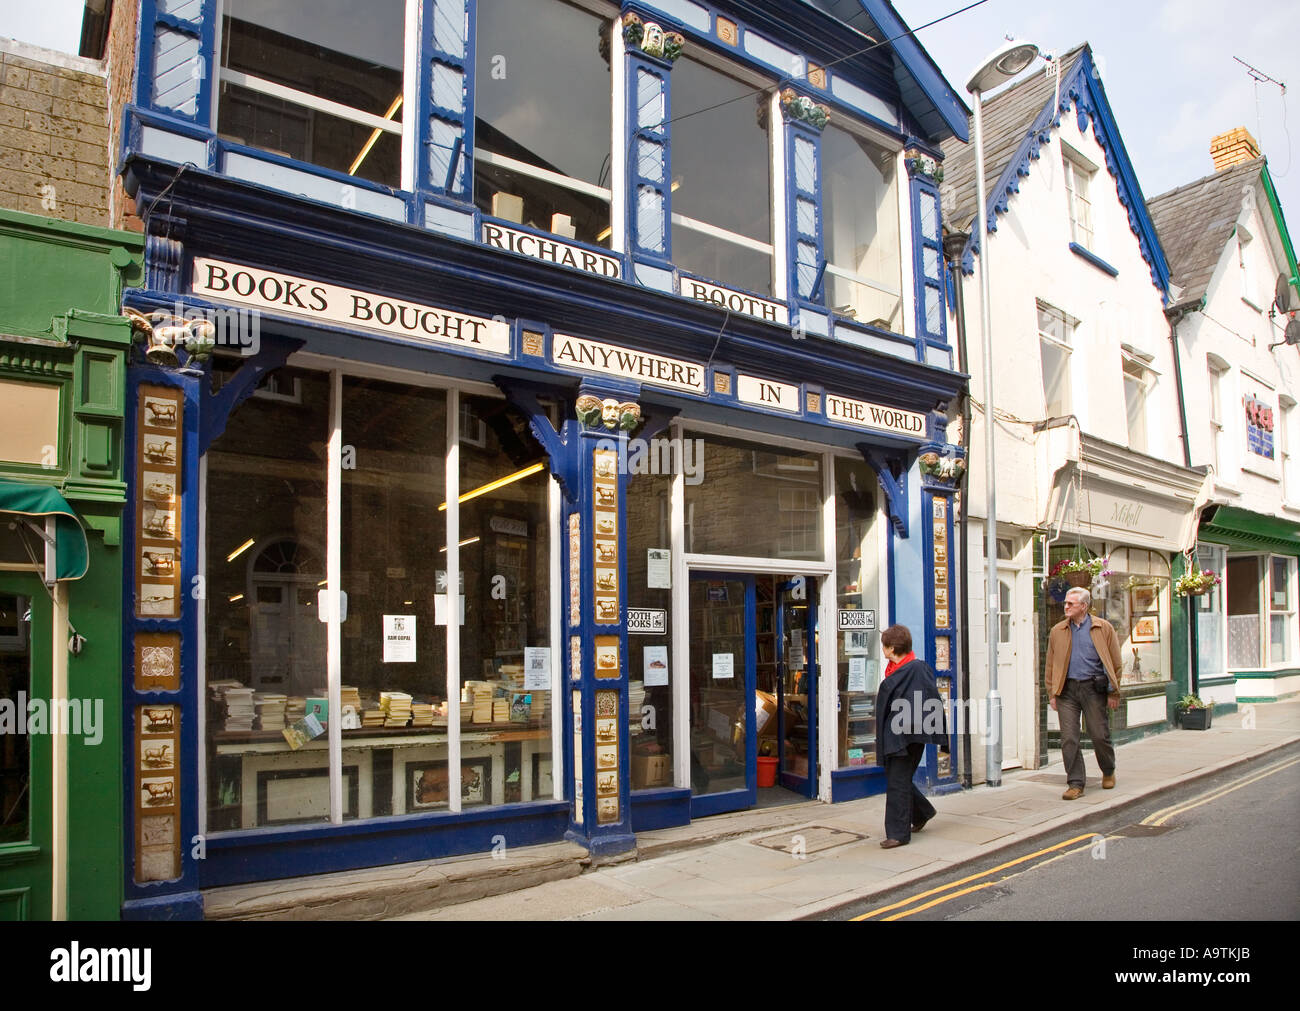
25	872
722	687
796	636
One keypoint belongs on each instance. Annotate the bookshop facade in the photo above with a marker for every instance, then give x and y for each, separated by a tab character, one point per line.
446	539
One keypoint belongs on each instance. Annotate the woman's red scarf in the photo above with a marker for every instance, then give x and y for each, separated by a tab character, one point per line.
893	665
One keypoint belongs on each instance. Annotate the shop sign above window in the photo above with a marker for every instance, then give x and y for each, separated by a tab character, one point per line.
329	303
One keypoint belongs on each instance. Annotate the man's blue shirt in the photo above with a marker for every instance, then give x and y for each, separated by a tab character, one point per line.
1084	661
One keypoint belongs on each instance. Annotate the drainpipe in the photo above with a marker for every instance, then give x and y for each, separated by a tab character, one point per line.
953	245
1175	317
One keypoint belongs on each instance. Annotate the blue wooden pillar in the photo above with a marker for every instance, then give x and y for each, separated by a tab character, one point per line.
648	57
924	175
803	121
444	118
177	47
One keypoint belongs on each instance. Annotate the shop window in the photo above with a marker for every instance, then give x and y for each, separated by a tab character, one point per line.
650	653
861	229
1244	614
1078	181
15	687
266	645
1056	342
1281	610
1138	379
542	93
722	186
1210	626
317	82
745	502
1135	599
858	571
505	568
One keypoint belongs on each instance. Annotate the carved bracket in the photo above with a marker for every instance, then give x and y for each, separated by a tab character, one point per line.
219	406
895	488
560	446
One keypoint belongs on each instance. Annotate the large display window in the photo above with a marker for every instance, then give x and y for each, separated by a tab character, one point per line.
269	627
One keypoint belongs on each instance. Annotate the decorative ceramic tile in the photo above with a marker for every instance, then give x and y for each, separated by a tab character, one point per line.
607	665
160	413
941	618
941	596
606	730
606	580
606	610
575	657
722	383
606	525
942	654
606	757
941	575
940	552
940	508
158	792
607	552
534	344
607	810
157	864
817	76
158	720
157	830
607	704
728	31
157	755
607	783
814	403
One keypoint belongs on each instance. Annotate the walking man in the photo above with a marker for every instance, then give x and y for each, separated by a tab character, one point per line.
1083	665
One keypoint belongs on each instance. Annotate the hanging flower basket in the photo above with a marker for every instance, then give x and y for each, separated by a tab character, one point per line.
1070	573
1197	583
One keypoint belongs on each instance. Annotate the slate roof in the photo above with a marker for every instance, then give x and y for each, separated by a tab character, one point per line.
1196	220
1007	117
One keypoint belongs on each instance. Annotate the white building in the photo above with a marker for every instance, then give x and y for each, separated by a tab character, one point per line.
1087	438
1231	255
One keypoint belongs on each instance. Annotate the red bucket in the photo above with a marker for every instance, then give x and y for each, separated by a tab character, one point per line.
767	770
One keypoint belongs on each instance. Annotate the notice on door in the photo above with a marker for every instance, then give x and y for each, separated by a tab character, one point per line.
724	665
655	661
857	673
537	668
399	638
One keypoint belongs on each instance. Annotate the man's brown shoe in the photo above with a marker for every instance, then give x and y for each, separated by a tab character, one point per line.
1108	782
889	844
1073	793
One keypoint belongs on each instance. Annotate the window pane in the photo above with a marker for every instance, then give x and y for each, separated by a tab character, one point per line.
777	490
860	204
650	704
15	749
1056	379
327	48
505	562
542	94
1244	615
1136	408
394	651
1278	639
720	260
857	562
1280	584
266	644
721	169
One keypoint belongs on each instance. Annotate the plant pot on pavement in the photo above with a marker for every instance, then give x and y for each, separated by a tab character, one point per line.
1197	719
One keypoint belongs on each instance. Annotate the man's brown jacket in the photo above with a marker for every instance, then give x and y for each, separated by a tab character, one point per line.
1104	641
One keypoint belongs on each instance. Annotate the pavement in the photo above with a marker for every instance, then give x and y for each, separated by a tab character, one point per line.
772	863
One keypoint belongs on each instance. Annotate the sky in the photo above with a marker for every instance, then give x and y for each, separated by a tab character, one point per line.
1167	66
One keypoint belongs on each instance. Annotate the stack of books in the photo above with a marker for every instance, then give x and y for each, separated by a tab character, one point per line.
541	707
239	709
500	710
371	718
349	695
270	710
295	709
422	714
635	700
476	699
396	707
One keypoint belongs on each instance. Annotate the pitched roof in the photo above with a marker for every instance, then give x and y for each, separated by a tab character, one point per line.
1196	220
1019	121
1007	119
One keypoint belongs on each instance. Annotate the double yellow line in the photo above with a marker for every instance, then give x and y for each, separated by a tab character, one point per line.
986	879
878	914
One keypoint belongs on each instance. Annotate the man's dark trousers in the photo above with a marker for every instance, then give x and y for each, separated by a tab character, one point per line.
1080	697
904	803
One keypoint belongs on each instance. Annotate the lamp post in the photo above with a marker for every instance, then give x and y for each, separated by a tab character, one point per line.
1001	65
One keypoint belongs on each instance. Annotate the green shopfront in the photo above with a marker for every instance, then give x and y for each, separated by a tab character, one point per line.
1248	632
63	350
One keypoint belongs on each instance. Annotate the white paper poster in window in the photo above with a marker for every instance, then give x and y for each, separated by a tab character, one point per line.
659	572
655	663
857	673
537	668
724	665
399	638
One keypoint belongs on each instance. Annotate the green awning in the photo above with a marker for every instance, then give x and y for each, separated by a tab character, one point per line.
1241	528
37	501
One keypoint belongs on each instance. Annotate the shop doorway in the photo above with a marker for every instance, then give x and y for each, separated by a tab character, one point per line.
753	689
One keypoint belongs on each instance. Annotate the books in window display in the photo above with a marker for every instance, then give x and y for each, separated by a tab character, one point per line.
270	710
396	707
635	701
240	711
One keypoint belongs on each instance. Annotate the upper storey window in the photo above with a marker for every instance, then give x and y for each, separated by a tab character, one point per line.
1078	182
316	80
860	210
542	117
722	179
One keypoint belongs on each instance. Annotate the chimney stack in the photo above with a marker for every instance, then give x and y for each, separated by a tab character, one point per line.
1233	148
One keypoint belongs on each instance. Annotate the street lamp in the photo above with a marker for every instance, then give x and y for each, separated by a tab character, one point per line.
1001	65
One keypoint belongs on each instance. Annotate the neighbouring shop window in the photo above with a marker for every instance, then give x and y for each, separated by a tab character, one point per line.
858	572
1244	612
505	563
722	178
15	689
266	645
542	117
649	653
394	660
1210	625
1281	610
861	229
319	82
754	500
1055	343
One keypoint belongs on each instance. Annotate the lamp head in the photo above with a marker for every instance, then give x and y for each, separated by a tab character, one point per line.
1002	64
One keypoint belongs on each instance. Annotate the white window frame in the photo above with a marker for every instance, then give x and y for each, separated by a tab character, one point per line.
1078	178
377	124
1246	266
336	370
1138	372
1215	557
1065	344
1216	369
1288	612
